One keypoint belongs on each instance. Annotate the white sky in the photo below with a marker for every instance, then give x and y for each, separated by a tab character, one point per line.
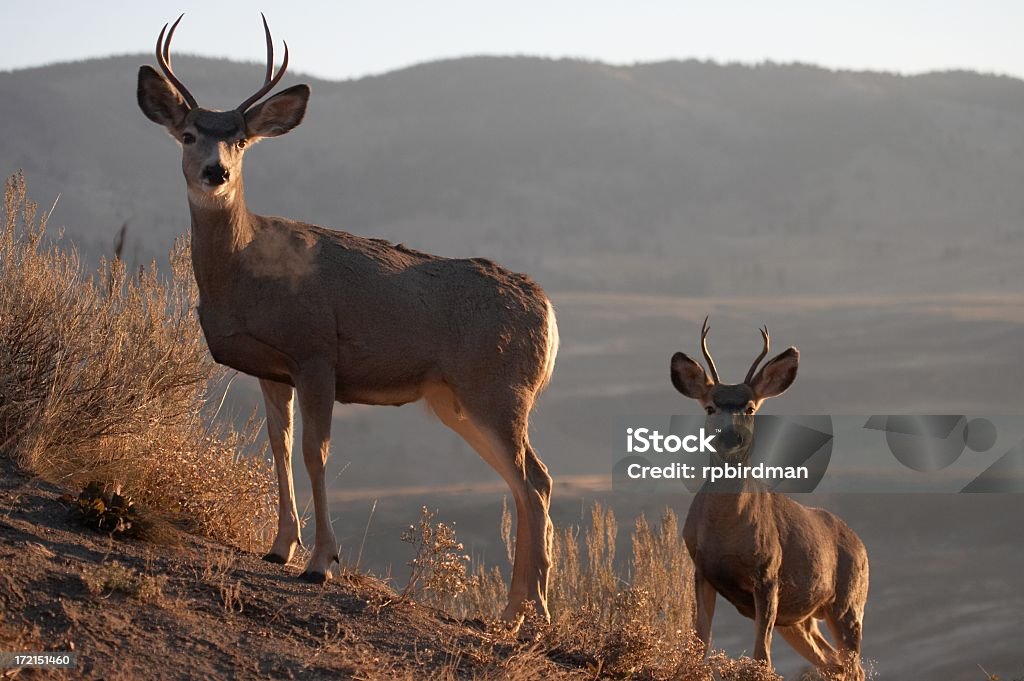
349	39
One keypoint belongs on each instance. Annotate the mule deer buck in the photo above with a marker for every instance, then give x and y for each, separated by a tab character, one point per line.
780	563
337	317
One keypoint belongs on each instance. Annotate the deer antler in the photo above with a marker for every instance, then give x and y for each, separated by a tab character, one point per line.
764	351
271	80
163	58
707	355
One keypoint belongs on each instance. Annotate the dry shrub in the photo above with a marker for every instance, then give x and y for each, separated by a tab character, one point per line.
439	567
586	581
106	377
662	569
632	623
742	669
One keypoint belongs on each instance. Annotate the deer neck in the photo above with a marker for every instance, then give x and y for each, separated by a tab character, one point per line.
221	228
738	499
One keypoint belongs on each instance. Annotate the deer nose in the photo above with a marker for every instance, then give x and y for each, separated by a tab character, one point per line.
215	174
730	439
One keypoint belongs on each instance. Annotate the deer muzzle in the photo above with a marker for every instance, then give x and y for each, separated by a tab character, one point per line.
215	174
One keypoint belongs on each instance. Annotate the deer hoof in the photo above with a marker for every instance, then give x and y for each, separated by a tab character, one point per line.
274	558
314	577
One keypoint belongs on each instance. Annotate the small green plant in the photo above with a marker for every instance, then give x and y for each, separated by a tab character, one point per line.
103	508
439	567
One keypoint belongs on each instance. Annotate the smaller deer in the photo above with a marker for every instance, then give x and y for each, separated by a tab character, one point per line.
780	563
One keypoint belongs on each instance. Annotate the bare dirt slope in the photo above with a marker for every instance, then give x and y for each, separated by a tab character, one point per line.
219	613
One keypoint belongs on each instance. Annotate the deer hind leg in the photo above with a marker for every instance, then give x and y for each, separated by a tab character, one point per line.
502	442
315	389
278	398
845	617
705	596
806	639
535	531
846	627
766	605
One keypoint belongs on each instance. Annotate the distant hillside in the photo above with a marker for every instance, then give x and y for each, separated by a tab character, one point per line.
684	177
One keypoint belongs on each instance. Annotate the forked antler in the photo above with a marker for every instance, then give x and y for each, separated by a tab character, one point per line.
163	58
271	80
707	355
705	329
764	351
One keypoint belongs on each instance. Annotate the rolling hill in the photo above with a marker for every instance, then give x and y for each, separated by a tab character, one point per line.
685	177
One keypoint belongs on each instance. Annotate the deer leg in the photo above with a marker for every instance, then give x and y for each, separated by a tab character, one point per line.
512	457
846	630
277	399
807	641
531	489
534	538
316	401
705	597
766	605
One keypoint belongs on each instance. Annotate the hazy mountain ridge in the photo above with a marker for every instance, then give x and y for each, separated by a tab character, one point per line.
787	177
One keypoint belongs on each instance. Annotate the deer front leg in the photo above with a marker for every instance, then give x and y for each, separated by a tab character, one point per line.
277	398
705	596
766	605
316	401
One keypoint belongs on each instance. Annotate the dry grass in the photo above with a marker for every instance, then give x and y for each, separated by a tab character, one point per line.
106	377
115	578
633	622
216	571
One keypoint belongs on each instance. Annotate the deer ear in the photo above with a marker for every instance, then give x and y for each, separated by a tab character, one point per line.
279	114
160	101
777	375
688	377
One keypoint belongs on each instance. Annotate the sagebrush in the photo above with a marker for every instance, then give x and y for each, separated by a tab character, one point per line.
104	376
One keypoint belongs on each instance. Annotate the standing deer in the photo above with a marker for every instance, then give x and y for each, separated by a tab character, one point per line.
342	318
780	563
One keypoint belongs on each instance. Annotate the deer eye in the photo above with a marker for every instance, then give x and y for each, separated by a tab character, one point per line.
240	144
188	138
709	410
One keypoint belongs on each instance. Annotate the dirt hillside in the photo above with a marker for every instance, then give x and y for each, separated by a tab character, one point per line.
196	609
